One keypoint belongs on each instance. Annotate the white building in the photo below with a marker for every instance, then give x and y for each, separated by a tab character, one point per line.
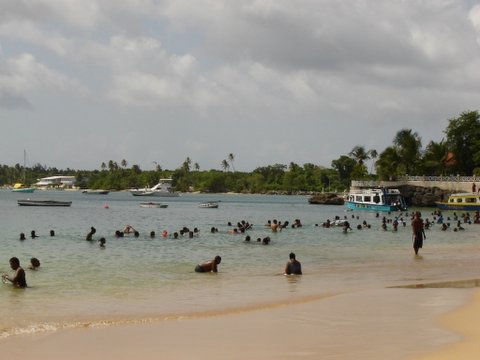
63	182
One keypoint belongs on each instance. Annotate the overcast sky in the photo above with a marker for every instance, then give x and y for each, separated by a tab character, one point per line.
272	81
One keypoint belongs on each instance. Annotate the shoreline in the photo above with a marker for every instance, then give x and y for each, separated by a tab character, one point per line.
403	323
464	322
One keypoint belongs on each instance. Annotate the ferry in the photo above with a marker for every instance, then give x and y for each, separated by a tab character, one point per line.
461	201
376	200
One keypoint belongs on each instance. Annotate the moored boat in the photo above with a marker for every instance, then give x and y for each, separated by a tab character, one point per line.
163	188
376	200
152	204
209	205
96	192
19	187
461	201
38	202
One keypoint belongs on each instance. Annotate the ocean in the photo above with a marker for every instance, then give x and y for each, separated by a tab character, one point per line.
139	280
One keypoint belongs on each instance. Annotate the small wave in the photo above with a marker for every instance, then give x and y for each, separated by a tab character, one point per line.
472	283
59	326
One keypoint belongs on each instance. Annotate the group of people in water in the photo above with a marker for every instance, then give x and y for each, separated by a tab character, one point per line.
293	266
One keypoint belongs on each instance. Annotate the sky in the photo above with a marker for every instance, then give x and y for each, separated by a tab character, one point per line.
270	81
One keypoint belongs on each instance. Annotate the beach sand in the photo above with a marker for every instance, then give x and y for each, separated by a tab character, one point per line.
370	324
464	321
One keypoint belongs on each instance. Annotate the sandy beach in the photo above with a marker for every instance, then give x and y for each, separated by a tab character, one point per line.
463	321
371	324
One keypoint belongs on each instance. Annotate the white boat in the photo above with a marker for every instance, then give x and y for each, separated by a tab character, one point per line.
375	199
95	192
30	202
209	205
163	188
152	204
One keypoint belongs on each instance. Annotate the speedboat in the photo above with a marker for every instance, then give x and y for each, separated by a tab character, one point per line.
21	188
209	205
30	202
375	199
152	204
163	188
96	192
461	201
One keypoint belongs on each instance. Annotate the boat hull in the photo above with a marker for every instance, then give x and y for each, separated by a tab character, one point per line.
461	201
29	202
153	205
357	206
209	205
153	193
24	190
96	192
455	207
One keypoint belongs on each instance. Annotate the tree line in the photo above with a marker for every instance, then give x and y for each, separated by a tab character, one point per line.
458	153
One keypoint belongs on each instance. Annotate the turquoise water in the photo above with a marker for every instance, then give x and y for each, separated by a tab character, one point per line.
136	280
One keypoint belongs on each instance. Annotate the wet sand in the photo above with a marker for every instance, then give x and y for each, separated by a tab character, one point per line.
370	324
463	321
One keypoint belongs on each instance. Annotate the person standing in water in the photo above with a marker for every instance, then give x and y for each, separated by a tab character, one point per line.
293	267
418	232
18	280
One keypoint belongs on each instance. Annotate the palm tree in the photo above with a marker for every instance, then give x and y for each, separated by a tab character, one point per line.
408	146
231	158
186	164
124	163
225	165
373	154
196	166
359	154
103	166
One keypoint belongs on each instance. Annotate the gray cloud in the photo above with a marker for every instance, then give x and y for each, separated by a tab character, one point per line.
271	81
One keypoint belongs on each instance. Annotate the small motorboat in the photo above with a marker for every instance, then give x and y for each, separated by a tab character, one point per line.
152	204
96	192
209	205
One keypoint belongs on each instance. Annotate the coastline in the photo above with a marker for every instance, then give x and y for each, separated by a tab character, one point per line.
370	324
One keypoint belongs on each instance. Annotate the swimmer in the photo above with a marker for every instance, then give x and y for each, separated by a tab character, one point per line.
128	229
34	263
209	266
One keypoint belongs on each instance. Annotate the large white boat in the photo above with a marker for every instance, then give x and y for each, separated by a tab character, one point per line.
375	199
163	188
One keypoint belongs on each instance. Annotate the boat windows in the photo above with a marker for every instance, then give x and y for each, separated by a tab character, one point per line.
376	199
459	200
470	200
367	199
358	198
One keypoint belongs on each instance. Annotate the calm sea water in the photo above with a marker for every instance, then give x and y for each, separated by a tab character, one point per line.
135	280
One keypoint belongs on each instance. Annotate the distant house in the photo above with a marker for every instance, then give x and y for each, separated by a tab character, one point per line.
62	182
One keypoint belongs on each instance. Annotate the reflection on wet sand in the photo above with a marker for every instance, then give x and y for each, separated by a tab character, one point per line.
443	284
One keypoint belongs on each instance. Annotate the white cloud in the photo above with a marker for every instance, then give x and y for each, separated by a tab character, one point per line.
319	66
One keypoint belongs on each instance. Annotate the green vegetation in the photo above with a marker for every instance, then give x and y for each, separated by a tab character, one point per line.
457	154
